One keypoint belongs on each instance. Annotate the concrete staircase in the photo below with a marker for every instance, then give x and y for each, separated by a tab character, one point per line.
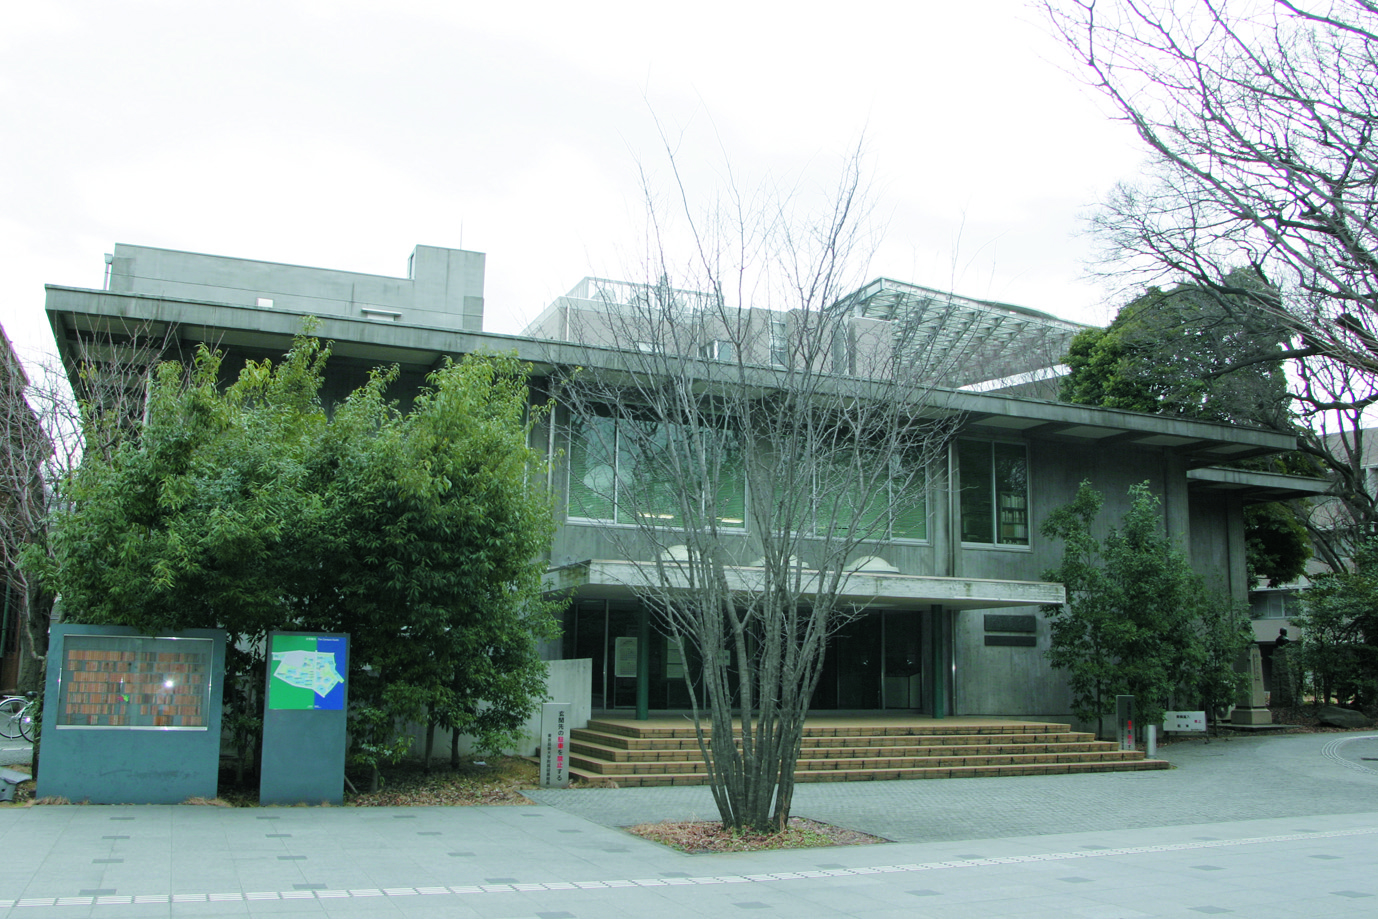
633	754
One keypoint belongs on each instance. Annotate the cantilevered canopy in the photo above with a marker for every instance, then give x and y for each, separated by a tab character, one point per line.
612	579
1255	487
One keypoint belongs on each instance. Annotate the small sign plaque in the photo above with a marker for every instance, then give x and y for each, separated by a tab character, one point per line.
624	657
1184	721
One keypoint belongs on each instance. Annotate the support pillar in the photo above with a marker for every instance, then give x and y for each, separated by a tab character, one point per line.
939	658
643	664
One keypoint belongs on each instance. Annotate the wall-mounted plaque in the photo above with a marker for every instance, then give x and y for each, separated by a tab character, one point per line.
624	657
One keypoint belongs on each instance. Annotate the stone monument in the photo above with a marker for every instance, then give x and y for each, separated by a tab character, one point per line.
1252	708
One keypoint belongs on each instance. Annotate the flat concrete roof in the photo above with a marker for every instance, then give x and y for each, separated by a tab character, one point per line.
73	311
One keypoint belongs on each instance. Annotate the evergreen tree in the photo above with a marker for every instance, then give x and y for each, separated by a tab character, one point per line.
248	508
1137	619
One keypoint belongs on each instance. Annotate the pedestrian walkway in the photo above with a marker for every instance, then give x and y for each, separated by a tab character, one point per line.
566	860
1225	779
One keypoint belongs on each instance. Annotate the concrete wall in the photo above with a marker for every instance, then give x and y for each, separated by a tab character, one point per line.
1006	680
991	680
566	681
443	289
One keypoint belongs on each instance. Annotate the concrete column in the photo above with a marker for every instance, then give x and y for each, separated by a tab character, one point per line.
643	664
938	657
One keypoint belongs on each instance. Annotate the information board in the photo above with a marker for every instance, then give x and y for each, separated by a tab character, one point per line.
135	683
131	718
624	657
1184	721
307	672
304	729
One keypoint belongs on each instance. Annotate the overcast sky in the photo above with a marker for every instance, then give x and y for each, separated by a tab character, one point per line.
340	134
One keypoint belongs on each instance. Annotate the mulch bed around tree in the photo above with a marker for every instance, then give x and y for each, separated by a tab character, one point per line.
697	837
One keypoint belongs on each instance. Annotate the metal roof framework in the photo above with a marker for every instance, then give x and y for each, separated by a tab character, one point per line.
965	341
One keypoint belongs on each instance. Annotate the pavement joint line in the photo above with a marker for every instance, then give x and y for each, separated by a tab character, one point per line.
541	887
1331	751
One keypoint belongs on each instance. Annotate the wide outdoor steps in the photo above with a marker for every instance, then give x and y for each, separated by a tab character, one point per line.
665	752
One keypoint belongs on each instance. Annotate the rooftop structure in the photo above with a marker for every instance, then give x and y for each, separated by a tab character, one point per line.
443	288
954	341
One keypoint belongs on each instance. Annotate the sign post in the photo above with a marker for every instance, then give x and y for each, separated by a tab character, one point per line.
555	720
1182	722
304	719
1124	710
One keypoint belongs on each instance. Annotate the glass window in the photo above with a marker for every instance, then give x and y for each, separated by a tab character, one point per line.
894	508
630	471
994	503
592	468
650	463
779	342
908	501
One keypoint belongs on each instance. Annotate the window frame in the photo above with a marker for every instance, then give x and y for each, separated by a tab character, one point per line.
620	516
886	533
1000	515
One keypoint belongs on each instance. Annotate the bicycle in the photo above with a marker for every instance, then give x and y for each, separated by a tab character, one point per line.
17	716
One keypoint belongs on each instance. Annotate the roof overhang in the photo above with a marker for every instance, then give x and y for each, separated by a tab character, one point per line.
75	311
1254	487
615	579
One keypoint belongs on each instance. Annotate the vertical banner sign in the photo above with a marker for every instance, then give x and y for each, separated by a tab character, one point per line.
304	719
554	744
1124	707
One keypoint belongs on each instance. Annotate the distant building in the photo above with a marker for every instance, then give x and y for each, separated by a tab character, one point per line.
24	447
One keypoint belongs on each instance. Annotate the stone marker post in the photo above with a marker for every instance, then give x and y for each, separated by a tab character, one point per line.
1124	711
1252	707
555	720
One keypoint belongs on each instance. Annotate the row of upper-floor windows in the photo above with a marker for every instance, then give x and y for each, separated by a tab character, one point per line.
629	471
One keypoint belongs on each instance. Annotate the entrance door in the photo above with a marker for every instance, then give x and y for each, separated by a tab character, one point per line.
903	681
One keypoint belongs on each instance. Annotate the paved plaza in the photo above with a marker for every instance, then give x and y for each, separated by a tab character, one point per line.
1283	826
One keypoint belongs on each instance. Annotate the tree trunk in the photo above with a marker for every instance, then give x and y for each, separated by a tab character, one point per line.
430	745
454	748
33	638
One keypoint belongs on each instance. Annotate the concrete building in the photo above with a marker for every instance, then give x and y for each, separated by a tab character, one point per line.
952	591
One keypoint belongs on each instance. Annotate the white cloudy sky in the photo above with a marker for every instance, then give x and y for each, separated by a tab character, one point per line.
340	133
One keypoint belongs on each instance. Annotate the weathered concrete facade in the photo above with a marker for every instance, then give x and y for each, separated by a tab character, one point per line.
953	623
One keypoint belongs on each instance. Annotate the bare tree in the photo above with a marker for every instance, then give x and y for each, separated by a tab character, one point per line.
1260	119
755	440
47	429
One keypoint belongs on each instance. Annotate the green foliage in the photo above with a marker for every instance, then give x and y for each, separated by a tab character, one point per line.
422	535
1224	632
1339	624
1137	620
1168	352
1276	543
1205	356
